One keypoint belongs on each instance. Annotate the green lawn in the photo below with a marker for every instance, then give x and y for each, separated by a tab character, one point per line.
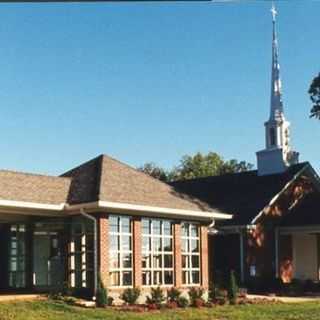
41	310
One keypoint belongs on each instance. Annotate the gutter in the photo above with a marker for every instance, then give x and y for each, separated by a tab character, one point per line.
117	207
95	254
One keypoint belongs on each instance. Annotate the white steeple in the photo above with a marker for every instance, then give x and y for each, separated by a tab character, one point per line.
277	155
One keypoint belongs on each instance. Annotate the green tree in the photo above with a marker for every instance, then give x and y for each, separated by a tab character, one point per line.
154	171
196	166
314	92
232	288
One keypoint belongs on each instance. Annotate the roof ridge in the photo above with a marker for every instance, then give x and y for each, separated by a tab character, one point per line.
34	174
135	169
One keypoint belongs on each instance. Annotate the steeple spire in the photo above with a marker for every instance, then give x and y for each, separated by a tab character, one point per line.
277	155
276	106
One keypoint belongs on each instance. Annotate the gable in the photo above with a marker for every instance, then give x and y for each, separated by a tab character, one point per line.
243	195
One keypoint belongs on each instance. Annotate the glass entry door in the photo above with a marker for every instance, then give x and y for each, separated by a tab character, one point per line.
47	260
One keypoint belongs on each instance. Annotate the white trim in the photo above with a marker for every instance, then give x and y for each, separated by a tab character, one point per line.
118	207
31	205
300	229
276	197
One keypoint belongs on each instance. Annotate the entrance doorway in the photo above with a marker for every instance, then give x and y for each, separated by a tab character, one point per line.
305	256
48	270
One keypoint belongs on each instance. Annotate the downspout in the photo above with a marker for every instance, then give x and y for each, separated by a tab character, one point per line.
95	254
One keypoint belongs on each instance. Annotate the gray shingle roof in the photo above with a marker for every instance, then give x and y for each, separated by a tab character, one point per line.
18	186
107	179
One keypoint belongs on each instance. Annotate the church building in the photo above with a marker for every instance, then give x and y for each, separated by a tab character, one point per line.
275	230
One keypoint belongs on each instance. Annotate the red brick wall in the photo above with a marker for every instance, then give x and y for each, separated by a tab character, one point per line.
103	248
137	267
204	256
285	258
177	254
103	252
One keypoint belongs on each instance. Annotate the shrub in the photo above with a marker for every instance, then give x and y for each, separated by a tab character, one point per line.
194	294
232	289
130	295
157	297
102	295
110	301
221	296
183	302
173	295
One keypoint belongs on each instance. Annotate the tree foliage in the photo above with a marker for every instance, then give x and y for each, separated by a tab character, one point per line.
155	171
196	166
314	92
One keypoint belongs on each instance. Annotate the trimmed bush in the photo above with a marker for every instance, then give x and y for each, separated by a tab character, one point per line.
232	289
102	295
157	297
195	294
173	295
183	302
130	295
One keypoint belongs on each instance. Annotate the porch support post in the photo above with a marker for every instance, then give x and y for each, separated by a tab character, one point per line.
241	256
204	256
276	252
177	254
137	256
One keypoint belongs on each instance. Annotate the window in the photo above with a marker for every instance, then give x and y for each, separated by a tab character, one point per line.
81	254
17	256
120	250
157	252
272	137
190	249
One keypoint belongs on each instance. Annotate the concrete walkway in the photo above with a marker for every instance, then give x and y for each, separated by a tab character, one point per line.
284	299
18	297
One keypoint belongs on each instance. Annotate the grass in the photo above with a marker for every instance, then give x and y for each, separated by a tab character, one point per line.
48	310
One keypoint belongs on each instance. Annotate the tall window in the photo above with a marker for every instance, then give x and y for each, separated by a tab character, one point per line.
17	256
120	253
157	252
81	254
272	136
190	254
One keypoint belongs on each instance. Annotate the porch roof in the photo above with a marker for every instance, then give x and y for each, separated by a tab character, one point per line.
102	183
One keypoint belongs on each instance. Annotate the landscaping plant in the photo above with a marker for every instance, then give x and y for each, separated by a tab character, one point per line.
157	297
232	289
173	295
102	295
130	295
183	302
195	295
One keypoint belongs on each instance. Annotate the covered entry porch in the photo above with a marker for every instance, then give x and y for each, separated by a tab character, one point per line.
45	254
299	253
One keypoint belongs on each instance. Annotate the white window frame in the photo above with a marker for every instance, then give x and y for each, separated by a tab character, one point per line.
189	254
84	250
120	252
151	236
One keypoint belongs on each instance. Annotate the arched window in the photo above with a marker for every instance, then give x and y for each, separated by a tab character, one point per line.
272	137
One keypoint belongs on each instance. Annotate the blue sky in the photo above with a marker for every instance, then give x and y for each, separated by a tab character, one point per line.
150	82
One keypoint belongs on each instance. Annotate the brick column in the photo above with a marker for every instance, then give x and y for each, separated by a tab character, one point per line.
204	256
103	248
137	256
177	254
